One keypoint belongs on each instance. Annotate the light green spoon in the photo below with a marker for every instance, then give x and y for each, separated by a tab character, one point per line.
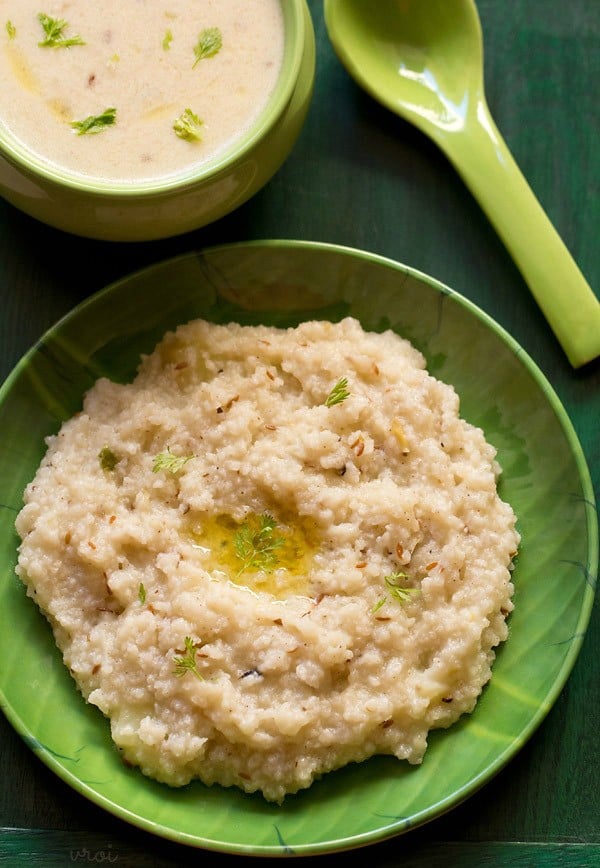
423	59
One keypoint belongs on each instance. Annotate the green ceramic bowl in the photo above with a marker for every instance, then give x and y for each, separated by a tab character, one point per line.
119	212
545	479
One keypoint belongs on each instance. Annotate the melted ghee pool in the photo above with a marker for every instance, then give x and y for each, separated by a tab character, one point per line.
21	69
287	574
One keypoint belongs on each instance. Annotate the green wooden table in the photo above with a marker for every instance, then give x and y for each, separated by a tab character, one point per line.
359	176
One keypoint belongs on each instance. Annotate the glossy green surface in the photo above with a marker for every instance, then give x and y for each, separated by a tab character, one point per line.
147	211
424	61
545	479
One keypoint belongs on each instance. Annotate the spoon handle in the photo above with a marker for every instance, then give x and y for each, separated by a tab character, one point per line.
484	161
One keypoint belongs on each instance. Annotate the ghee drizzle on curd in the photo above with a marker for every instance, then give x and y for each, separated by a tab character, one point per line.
215	537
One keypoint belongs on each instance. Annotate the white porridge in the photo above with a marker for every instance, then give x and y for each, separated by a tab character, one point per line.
274	553
130	90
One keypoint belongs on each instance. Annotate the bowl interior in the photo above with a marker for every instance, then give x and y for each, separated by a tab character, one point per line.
32	163
545	478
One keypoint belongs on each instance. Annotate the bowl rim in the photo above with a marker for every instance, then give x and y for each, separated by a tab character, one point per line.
20	156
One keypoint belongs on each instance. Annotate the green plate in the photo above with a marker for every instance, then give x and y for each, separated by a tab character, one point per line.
545	479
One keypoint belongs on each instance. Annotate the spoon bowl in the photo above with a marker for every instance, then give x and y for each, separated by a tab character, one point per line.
424	61
428	75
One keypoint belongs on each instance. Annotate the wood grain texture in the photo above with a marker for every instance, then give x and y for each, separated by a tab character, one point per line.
362	177
56	849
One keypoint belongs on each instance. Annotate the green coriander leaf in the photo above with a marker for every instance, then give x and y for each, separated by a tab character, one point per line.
53	29
209	43
403	595
11	30
256	543
107	458
339	393
96	123
142	593
378	605
168	39
187	662
169	462
187	126
393	580
396	590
